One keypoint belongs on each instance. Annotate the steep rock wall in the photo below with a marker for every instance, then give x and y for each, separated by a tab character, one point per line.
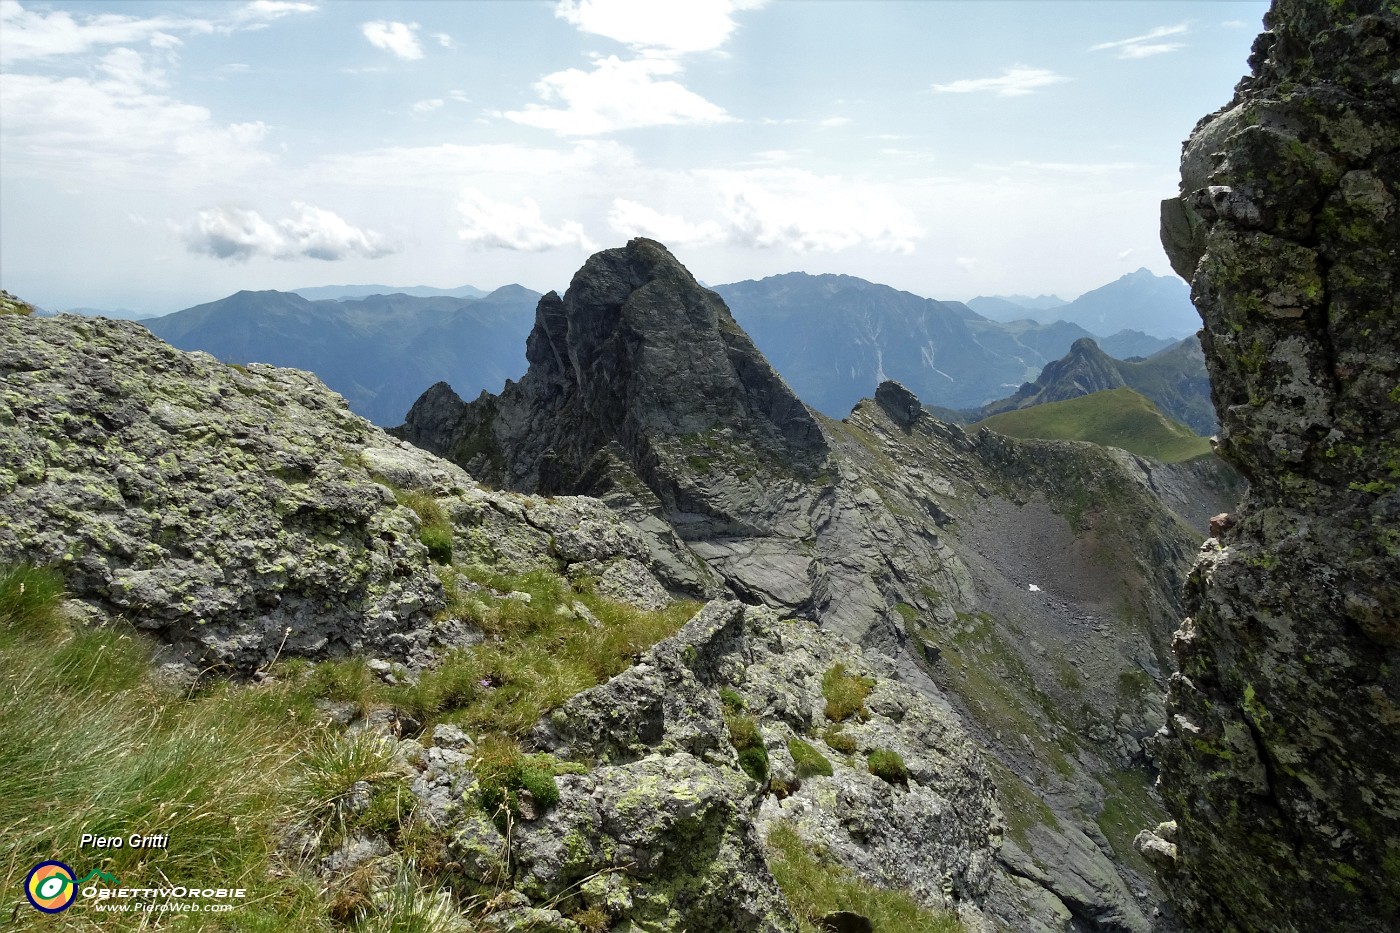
1279	759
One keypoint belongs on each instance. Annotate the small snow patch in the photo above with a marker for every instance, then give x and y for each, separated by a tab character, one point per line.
1033	588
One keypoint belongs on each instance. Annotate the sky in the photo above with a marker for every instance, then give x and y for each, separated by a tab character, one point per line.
157	155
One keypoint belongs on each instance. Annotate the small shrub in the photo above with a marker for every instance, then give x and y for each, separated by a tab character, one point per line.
888	766
731	699
748	741
845	694
839	740
807	759
593	920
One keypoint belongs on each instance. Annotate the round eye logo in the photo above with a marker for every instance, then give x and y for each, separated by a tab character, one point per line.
50	887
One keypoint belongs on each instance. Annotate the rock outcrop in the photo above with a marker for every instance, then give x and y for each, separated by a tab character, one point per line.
241	514
1279	760
665	830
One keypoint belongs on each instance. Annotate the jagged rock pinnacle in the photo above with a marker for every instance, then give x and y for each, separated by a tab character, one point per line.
633	362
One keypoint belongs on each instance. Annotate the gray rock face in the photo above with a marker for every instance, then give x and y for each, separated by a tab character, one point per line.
634	353
935	837
241	514
1278	758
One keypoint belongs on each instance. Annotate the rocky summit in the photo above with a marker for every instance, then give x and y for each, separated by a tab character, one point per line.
1279	760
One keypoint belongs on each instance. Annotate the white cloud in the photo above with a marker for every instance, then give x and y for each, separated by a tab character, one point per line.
239	234
804	212
450	166
490	224
33	34
267	10
834	121
1143	46
118	124
966	263
630	219
1147	51
398	38
666	28
1234	24
427	106
1124	254
616	95
444	40
1013	82
459	96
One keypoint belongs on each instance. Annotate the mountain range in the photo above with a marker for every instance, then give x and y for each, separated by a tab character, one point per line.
380	351
1174	379
1141	301
833	338
339	292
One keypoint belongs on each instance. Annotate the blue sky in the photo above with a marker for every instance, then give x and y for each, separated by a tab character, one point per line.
157	155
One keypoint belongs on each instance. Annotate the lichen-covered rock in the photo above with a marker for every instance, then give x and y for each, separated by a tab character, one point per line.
1279	758
241	514
934	835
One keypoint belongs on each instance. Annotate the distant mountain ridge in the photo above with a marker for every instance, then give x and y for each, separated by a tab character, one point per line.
834	338
340	292
1140	301
1111	417
380	351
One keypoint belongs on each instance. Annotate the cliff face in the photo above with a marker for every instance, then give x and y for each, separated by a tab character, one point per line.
1279	759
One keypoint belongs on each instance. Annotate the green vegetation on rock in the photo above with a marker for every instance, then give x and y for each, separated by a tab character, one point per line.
748	741
814	889
807	759
1116	418
888	766
845	693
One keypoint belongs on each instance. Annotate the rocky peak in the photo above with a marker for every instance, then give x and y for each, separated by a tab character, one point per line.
1085	369
1278	760
636	353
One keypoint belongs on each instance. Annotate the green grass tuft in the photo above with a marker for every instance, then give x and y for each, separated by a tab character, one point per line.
436	530
839	740
814	889
748	741
807	759
1114	418
887	766
845	694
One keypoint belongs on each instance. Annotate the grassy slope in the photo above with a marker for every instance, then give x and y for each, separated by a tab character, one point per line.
1116	418
90	741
